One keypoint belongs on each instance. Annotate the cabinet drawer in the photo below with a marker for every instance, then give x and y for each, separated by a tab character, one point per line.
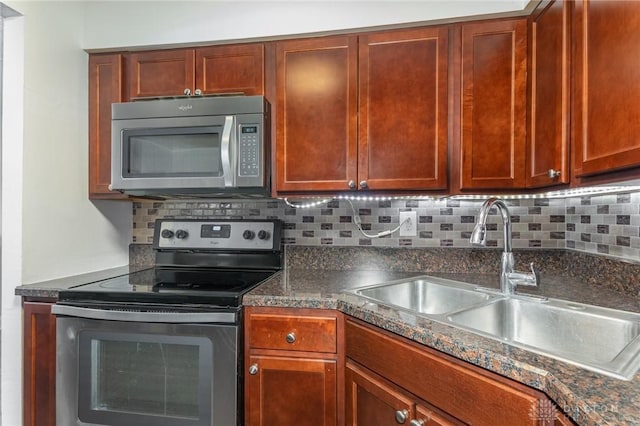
292	332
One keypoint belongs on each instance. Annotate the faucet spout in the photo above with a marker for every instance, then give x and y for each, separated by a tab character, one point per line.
479	234
509	279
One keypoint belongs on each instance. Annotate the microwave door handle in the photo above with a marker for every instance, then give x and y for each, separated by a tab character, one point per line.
227	151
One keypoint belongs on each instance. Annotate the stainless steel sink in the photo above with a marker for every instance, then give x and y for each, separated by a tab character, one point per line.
600	339
425	295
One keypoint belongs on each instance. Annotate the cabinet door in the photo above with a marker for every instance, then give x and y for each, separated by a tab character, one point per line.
230	69
372	402
403	109
316	145
494	66
549	87
161	73
39	365
105	88
290	391
606	121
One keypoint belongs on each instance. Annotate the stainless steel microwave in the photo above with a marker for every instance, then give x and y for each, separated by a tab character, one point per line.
208	146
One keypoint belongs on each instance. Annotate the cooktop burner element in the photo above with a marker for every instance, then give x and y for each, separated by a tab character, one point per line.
204	262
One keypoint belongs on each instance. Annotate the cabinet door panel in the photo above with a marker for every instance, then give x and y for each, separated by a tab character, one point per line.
161	73
403	109
493	104
229	69
549	121
39	364
316	144
291	391
607	89
105	88
371	402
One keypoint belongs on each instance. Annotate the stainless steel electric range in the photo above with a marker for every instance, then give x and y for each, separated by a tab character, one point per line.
162	346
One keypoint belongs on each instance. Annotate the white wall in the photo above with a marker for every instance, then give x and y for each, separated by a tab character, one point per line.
63	232
143	23
12	125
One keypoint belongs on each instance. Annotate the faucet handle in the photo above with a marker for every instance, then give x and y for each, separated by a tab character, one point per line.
535	273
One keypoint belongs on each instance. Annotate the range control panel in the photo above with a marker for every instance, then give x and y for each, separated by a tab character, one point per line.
230	235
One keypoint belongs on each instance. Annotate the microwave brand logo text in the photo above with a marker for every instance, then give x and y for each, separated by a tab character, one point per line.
185	107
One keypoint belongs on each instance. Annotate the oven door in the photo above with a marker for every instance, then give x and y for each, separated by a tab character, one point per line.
146	373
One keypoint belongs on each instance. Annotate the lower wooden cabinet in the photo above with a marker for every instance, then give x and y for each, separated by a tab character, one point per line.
373	401
391	380
293	367
39	364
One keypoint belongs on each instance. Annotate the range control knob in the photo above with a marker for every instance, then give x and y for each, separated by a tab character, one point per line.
167	233
248	235
263	235
181	234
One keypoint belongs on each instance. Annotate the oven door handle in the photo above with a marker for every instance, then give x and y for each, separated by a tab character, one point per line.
134	316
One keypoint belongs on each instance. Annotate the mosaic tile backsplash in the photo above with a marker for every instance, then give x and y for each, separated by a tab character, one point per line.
606	225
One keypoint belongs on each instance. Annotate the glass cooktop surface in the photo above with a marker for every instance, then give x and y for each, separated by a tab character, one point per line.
172	285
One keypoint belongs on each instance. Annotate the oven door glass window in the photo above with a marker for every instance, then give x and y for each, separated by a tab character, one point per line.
172	152
145	379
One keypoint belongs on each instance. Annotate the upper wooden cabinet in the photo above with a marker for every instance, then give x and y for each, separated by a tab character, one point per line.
403	109
105	88
215	69
493	105
366	112
606	68
549	101
316	114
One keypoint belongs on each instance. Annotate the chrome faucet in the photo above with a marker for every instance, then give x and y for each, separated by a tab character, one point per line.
509	279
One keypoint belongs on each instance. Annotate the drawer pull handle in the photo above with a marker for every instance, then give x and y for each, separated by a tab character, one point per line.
416	422
291	337
253	369
402	416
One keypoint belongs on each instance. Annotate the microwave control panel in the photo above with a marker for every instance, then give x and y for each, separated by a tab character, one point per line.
249	150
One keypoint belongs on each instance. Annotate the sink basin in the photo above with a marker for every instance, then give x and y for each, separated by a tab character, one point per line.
600	339
425	295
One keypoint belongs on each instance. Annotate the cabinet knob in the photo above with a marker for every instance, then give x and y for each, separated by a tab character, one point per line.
187	92
402	416
291	337
416	422
253	369
364	184
552	173
352	184
198	92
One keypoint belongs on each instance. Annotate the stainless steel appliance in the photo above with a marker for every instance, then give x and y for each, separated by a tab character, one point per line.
191	146
162	346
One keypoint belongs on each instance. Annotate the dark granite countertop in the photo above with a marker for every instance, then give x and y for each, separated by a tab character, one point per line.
49	289
588	398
